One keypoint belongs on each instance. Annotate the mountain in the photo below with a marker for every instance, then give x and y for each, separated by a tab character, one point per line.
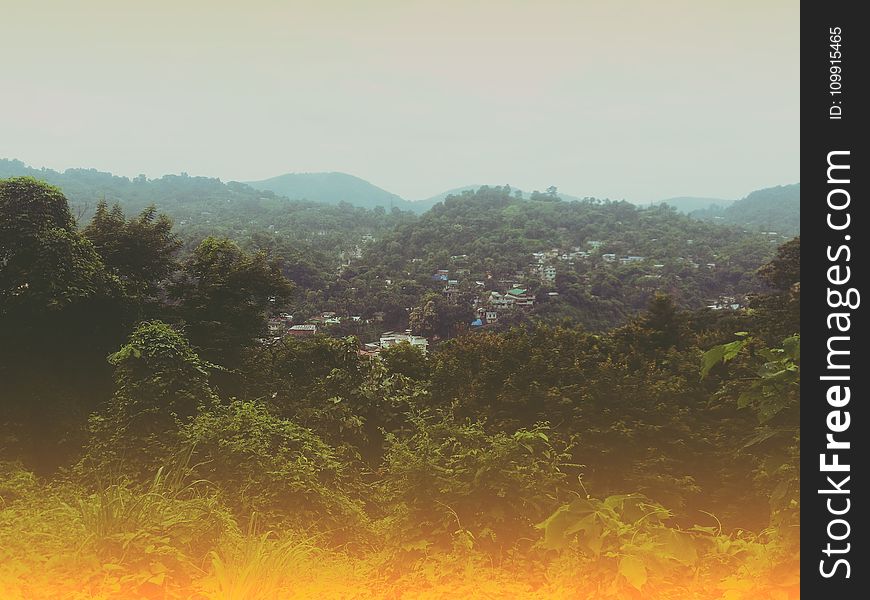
771	209
689	204
201	206
334	188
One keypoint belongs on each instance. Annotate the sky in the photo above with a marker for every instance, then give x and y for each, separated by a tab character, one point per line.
634	100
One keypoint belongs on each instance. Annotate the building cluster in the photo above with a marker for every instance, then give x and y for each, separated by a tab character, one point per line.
727	303
282	325
389	339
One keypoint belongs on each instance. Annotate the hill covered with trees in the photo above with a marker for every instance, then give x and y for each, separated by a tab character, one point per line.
595	262
775	209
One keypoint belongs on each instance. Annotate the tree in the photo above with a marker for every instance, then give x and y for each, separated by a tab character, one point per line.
141	251
47	264
778	313
772	392
224	297
663	321
423	319
61	311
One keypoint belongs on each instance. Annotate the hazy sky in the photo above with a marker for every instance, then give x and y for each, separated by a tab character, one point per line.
638	99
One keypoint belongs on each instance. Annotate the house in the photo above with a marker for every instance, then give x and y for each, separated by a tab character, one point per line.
391	338
726	303
548	273
370	350
608	257
302	330
521	297
498	300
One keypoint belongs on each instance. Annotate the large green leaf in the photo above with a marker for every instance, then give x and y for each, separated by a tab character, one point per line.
566	521
721	353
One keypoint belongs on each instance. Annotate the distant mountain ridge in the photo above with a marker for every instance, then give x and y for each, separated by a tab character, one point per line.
771	208
333	188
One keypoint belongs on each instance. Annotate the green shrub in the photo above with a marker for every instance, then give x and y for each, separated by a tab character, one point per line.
452	481
272	466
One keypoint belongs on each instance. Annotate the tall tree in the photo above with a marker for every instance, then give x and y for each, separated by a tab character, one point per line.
61	312
224	297
140	251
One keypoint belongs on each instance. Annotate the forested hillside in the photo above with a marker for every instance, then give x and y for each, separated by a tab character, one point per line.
595	262
775	209
158	441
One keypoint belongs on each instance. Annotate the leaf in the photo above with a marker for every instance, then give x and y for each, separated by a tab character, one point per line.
711	358
562	523
721	353
634	571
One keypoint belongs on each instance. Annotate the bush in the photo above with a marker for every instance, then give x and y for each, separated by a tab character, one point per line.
160	384
451	481
272	466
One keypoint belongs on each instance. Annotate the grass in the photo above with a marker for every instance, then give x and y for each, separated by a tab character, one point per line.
176	541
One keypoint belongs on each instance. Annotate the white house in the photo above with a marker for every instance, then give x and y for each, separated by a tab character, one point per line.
391	338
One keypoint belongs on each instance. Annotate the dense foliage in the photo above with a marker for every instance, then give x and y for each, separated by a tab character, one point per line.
172	433
379	263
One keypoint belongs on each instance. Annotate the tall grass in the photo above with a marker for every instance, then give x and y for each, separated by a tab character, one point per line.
262	567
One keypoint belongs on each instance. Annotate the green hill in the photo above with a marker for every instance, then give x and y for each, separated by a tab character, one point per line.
771	209
333	188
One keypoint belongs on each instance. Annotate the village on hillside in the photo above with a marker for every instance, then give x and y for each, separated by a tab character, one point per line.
491	300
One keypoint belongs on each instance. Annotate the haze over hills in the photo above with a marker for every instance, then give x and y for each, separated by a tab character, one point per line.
336	187
772	208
